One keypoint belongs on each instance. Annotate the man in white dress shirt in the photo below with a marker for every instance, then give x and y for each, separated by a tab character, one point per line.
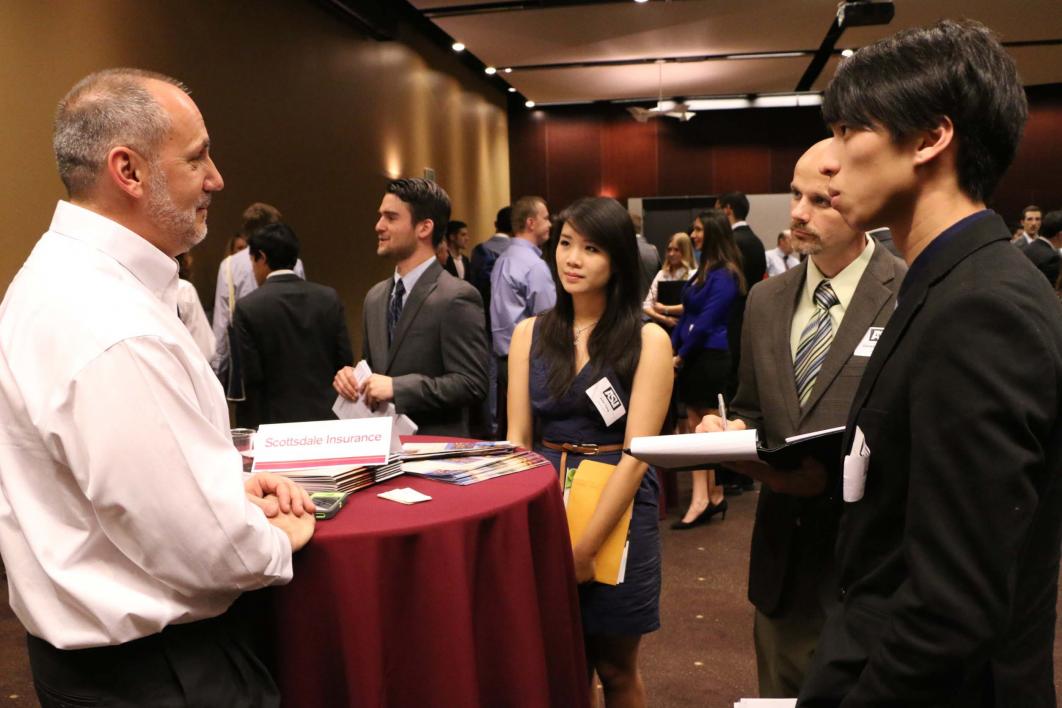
781	258
125	524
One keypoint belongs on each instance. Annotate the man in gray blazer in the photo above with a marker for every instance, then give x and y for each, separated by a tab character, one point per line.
423	332
780	394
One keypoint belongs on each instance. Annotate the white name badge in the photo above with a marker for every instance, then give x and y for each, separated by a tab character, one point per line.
869	341
322	444
607	401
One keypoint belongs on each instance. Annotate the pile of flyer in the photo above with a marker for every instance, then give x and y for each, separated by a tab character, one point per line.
435	450
467	464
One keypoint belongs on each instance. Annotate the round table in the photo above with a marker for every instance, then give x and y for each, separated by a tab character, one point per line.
466	600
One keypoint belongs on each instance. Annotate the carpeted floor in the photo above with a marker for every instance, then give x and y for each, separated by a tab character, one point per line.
701	658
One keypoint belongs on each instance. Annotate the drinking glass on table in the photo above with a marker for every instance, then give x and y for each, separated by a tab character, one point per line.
243	440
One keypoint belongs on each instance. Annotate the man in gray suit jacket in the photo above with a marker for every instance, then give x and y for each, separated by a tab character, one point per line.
796	523
423	332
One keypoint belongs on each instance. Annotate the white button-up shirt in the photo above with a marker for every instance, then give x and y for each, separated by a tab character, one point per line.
122	508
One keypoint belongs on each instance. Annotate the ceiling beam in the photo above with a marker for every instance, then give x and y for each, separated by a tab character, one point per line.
666	60
825	51
511	6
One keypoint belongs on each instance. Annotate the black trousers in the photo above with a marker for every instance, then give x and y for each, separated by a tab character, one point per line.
201	664
502	428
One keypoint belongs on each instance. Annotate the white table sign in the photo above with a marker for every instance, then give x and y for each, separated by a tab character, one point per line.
361	442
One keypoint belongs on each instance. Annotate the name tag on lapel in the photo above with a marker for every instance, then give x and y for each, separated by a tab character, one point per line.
869	341
607	401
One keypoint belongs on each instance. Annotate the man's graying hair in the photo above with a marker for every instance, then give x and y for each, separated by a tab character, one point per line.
109	108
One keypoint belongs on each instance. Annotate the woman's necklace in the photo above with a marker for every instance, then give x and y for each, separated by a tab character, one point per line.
577	332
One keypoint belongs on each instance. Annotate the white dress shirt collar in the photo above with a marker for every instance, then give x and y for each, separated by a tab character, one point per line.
844	283
739	223
409	280
280	271
152	267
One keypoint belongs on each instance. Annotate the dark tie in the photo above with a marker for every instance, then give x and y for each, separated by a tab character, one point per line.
814	341
394	309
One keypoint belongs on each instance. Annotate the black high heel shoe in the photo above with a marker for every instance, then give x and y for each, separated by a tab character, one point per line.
714	509
701	518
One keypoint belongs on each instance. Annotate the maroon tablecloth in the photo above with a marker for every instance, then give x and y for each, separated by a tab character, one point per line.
466	600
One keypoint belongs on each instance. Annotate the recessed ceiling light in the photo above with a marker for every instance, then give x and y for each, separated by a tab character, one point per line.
508	70
458	47
512	90
529	104
847	53
641	1
491	71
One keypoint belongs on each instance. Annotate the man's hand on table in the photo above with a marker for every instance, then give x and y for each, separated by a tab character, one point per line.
807	481
275	494
298	528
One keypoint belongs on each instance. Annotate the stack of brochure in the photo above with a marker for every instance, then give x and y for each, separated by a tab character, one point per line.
470	469
431	451
332	479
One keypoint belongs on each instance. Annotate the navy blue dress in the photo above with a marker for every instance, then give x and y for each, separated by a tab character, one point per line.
633	606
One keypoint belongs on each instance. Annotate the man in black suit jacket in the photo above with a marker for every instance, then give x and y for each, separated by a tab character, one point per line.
754	266
753	255
791	562
292	335
1043	250
423	332
948	549
457	263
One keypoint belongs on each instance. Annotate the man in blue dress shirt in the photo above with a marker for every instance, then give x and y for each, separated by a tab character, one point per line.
521	285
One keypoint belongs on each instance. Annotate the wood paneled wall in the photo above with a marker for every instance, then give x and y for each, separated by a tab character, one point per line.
303	111
564	153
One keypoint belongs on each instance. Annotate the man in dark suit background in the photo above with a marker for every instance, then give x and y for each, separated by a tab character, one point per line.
1043	250
753	255
948	549
791	563
457	264
754	265
1031	220
648	256
292	334
423	332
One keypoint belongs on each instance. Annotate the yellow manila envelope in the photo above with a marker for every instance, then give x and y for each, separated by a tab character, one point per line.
610	564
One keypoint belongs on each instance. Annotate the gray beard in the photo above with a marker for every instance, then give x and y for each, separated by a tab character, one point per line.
168	218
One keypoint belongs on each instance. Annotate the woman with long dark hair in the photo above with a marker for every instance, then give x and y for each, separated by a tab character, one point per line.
702	356
592	342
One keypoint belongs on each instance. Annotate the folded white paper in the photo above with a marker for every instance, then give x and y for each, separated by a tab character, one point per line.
405	495
346	409
696	448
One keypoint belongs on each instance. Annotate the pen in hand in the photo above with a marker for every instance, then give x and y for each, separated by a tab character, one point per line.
722	409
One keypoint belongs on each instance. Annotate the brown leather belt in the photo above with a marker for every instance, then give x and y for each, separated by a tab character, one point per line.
589	449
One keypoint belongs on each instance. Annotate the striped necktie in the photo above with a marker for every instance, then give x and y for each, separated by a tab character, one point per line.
394	309
814	341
